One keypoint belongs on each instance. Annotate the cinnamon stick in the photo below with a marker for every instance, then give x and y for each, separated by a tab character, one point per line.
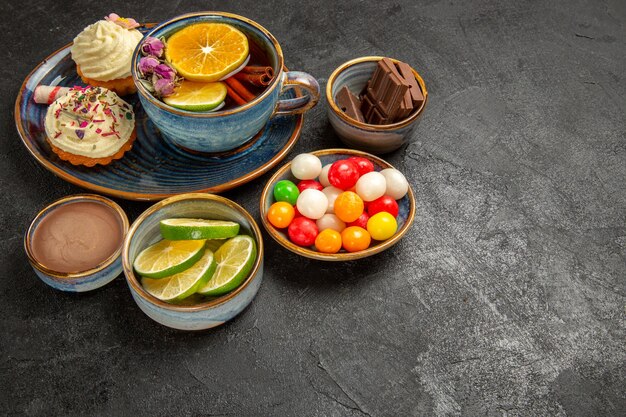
258	69
257	80
240	89
236	97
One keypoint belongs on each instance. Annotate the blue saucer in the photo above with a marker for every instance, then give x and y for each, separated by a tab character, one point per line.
153	169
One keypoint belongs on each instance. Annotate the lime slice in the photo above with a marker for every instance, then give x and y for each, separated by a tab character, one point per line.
186	229
235	259
194	96
168	257
180	286
214	245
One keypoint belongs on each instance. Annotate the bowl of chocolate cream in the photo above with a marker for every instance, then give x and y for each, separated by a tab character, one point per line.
75	243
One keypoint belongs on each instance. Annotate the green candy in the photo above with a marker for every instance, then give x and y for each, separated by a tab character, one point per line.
287	191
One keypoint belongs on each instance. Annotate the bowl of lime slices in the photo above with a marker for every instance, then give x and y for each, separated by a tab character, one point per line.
193	261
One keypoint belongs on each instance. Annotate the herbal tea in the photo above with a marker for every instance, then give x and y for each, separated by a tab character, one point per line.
205	67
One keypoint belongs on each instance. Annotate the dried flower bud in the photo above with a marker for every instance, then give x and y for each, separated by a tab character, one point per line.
147	64
165	71
164	87
152	46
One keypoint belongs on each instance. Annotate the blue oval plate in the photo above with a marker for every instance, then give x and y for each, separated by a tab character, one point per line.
153	169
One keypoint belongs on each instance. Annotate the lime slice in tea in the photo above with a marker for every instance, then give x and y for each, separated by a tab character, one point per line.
180	286
168	257
194	96
186	229
235	259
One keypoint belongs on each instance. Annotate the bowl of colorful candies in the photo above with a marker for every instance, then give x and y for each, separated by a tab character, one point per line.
337	205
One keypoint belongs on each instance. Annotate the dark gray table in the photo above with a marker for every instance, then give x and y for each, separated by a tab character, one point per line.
506	298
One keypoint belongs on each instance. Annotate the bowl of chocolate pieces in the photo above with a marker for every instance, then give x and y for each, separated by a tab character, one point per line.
374	103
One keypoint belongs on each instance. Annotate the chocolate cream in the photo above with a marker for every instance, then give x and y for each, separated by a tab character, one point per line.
77	236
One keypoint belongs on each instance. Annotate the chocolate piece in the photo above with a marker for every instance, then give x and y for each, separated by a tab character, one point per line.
349	104
367	106
406	107
387	87
377	118
416	92
385	93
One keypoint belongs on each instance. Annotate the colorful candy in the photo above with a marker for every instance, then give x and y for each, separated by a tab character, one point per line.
355	238
328	241
397	185
324	175
331	193
330	221
306	166
302	231
364	165
286	190
371	186
381	226
361	221
384	203
348	206
281	214
343	174
312	203
304	184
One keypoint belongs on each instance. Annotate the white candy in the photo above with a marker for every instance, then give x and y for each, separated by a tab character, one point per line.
371	186
397	185
306	166
324	175
330	221
331	194
312	203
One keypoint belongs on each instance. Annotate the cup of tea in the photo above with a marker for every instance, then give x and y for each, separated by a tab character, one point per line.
234	124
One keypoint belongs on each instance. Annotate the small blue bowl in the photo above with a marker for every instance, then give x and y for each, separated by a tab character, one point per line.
377	139
81	281
205	314
224	130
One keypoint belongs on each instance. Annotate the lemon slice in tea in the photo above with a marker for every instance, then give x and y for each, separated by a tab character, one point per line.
185	229
168	257
193	96
206	52
180	286
235	259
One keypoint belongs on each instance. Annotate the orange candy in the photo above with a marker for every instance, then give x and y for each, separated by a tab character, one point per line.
355	238
328	241
281	214
348	206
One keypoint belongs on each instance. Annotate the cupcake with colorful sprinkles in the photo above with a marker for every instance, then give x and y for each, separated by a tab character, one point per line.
89	126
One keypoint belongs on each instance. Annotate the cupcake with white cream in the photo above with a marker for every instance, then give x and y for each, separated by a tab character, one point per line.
103	52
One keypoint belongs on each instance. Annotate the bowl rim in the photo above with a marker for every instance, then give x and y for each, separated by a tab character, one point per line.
141	90
340	256
367	126
132	281
68	276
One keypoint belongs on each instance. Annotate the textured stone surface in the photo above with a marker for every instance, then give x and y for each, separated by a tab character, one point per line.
506	298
